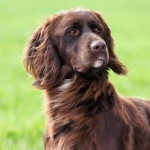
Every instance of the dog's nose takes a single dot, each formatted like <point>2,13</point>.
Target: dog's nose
<point>98,46</point>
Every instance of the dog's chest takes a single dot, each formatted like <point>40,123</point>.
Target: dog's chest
<point>94,134</point>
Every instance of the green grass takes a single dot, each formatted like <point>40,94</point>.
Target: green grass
<point>21,119</point>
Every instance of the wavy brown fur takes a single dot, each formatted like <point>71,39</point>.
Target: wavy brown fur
<point>83,110</point>
<point>75,111</point>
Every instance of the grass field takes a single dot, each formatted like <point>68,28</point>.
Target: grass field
<point>21,117</point>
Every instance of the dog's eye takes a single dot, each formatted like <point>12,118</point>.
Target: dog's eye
<point>74,32</point>
<point>97,30</point>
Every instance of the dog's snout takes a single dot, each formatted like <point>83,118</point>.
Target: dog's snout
<point>98,46</point>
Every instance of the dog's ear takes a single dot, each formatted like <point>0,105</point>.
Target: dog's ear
<point>41,59</point>
<point>114,62</point>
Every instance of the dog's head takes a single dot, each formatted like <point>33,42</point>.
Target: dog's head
<point>75,40</point>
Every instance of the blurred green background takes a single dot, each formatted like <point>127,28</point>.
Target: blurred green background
<point>21,119</point>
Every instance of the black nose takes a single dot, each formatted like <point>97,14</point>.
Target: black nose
<point>98,46</point>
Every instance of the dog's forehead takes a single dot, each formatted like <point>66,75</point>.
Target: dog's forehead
<point>78,15</point>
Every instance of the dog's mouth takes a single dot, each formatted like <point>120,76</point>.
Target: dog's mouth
<point>99,62</point>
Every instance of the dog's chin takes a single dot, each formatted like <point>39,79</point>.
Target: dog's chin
<point>101,62</point>
<point>94,66</point>
<point>98,63</point>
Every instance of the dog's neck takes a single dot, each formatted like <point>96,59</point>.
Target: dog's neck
<point>82,90</point>
<point>95,83</point>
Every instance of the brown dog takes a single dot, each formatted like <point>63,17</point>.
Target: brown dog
<point>70,56</point>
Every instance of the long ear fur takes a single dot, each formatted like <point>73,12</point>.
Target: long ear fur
<point>41,59</point>
<point>113,63</point>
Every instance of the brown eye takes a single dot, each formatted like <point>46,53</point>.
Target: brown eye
<point>73,32</point>
<point>97,30</point>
